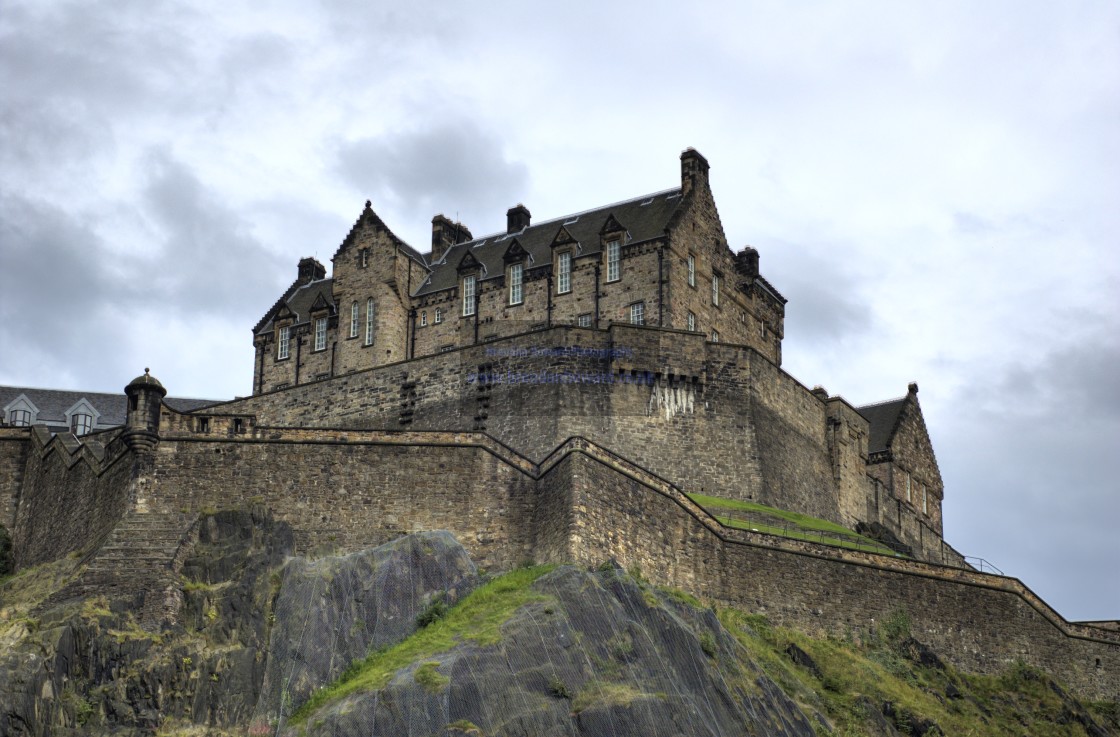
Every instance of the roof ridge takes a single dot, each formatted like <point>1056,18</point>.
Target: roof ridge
<point>882,402</point>
<point>581,213</point>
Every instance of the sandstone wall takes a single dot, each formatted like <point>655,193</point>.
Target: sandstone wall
<point>979,622</point>
<point>14,444</point>
<point>712,418</point>
<point>72,497</point>
<point>349,491</point>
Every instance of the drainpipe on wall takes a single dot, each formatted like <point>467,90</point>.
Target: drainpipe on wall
<point>548,319</point>
<point>595,320</point>
<point>334,349</point>
<point>410,352</point>
<point>660,283</point>
<point>299,343</point>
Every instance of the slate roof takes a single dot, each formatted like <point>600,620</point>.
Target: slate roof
<point>883,417</point>
<point>299,302</point>
<point>644,218</point>
<point>53,404</point>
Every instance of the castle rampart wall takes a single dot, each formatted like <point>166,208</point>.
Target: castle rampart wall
<point>74,492</point>
<point>978,622</point>
<point>14,444</point>
<point>345,491</point>
<point>714,418</point>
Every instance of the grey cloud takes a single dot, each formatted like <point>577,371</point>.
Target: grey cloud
<point>1028,453</point>
<point>445,168</point>
<point>210,261</point>
<point>826,301</point>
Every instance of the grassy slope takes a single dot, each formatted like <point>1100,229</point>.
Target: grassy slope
<point>478,618</point>
<point>785,524</point>
<point>853,677</point>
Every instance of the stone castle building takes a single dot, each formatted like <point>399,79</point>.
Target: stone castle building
<point>566,391</point>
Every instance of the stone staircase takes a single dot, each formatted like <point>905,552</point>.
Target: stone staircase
<point>139,560</point>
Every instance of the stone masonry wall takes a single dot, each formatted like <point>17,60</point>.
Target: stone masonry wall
<point>713,418</point>
<point>346,492</point>
<point>14,444</point>
<point>70,499</point>
<point>979,622</point>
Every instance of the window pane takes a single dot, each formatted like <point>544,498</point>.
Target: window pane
<point>515,284</point>
<point>564,281</point>
<point>354,320</point>
<point>613,268</point>
<point>468,296</point>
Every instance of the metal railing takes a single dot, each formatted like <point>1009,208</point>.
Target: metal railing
<point>982,565</point>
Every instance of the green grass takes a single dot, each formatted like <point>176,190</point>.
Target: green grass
<point>477,618</point>
<point>800,527</point>
<point>1016,702</point>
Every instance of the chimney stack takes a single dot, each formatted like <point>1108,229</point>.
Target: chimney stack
<point>694,169</point>
<point>746,262</point>
<point>446,234</point>
<point>517,218</point>
<point>311,270</point>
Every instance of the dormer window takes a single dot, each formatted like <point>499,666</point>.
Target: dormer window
<point>564,272</point>
<point>469,287</point>
<point>80,424</point>
<point>515,274</point>
<point>283,343</point>
<point>19,417</point>
<point>614,267</point>
<point>321,334</point>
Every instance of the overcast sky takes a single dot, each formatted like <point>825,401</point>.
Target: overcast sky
<point>933,185</point>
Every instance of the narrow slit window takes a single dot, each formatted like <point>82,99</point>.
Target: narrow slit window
<point>321,334</point>
<point>468,297</point>
<point>515,275</point>
<point>614,267</point>
<point>369,322</point>
<point>564,273</point>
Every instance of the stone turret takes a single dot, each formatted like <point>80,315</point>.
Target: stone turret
<point>145,396</point>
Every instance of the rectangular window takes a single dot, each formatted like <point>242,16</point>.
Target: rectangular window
<point>354,320</point>
<point>81,424</point>
<point>19,417</point>
<point>691,322</point>
<point>439,315</point>
<point>365,257</point>
<point>715,336</point>
<point>925,501</point>
<point>369,322</point>
<point>715,289</point>
<point>468,297</point>
<point>638,313</point>
<point>204,422</point>
<point>321,334</point>
<point>515,272</point>
<point>564,273</point>
<point>584,320</point>
<point>283,342</point>
<point>909,496</point>
<point>423,318</point>
<point>691,270</point>
<point>614,271</point>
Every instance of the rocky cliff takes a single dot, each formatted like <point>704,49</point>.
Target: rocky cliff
<point>411,639</point>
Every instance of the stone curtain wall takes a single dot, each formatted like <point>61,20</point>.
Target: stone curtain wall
<point>979,622</point>
<point>354,492</point>
<point>14,443</point>
<point>713,418</point>
<point>71,498</point>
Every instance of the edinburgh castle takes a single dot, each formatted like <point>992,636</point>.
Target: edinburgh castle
<point>568,390</point>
